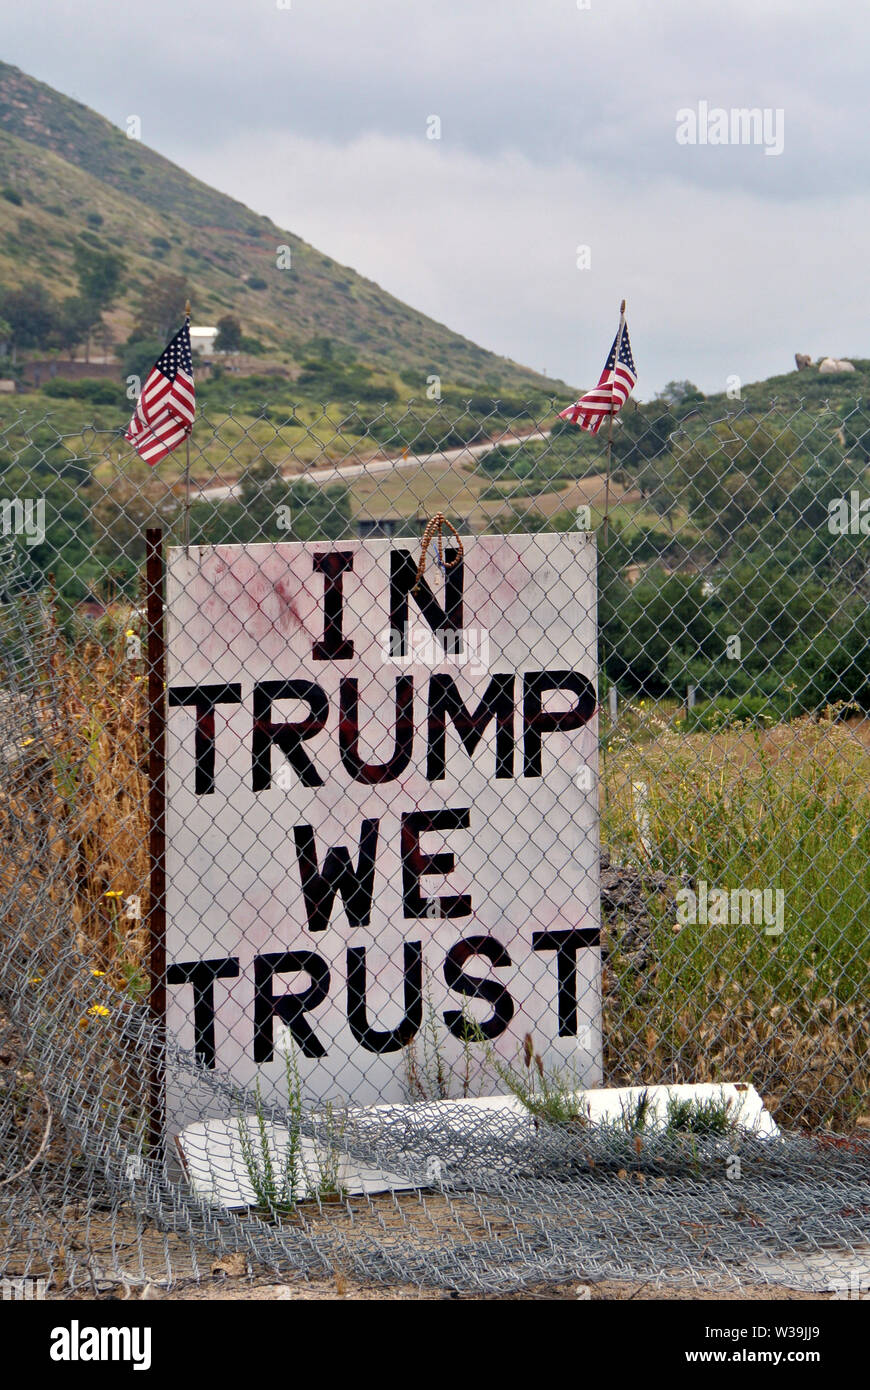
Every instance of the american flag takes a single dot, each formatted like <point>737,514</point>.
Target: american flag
<point>167,402</point>
<point>613,389</point>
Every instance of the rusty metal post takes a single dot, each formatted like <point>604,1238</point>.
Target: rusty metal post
<point>154,602</point>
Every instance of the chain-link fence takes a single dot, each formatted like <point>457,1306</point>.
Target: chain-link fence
<point>320,961</point>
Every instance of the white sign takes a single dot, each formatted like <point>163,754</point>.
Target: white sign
<point>381,808</point>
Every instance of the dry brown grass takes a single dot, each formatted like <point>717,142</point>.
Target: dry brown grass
<point>84,784</point>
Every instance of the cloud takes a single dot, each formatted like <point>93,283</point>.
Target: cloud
<point>558,128</point>
<point>543,78</point>
<point>717,283</point>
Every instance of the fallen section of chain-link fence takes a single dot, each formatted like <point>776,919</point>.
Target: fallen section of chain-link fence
<point>710,1128</point>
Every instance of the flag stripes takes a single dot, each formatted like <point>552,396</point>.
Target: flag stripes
<point>166,407</point>
<point>613,390</point>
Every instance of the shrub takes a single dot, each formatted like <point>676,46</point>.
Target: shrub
<point>94,389</point>
<point>724,712</point>
<point>140,354</point>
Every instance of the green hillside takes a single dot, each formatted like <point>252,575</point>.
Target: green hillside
<point>69,178</point>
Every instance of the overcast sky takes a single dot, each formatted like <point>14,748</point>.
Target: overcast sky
<point>558,130</point>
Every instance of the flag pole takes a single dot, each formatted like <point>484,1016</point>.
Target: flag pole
<point>610,425</point>
<point>187,468</point>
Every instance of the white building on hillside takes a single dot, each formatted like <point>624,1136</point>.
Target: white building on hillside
<point>202,340</point>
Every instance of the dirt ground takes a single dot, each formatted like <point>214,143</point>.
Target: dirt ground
<point>227,1288</point>
<point>130,1259</point>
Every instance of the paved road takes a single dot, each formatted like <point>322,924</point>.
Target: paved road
<point>382,464</point>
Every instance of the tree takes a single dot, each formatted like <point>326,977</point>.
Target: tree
<point>31,313</point>
<point>161,308</point>
<point>139,356</point>
<point>644,434</point>
<point>229,337</point>
<point>75,321</point>
<point>104,337</point>
<point>122,514</point>
<point>679,393</point>
<point>738,481</point>
<point>99,274</point>
<point>656,629</point>
<point>37,320</point>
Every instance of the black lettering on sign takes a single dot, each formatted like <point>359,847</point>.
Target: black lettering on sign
<point>445,703</point>
<point>403,582</point>
<point>474,988</point>
<point>356,886</point>
<point>288,736</point>
<point>566,944</point>
<point>289,1008</point>
<point>390,1039</point>
<point>537,722</point>
<point>204,698</point>
<point>335,646</point>
<point>415,862</point>
<point>348,733</point>
<point>202,975</point>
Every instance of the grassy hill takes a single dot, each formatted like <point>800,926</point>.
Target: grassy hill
<point>66,172</point>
